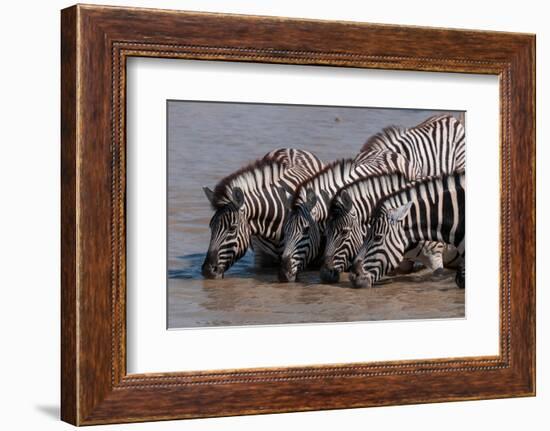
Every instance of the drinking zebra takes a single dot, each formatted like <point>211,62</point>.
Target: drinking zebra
<point>434,147</point>
<point>250,206</point>
<point>430,210</point>
<point>305,224</point>
<point>348,223</point>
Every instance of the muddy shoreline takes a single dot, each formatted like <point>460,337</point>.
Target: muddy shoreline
<point>259,299</point>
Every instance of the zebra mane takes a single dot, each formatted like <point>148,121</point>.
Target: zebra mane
<point>377,141</point>
<point>300,192</point>
<point>249,177</point>
<point>358,182</point>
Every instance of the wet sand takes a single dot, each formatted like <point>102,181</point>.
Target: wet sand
<point>260,300</point>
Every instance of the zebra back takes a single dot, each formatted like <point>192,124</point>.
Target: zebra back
<point>291,157</point>
<point>435,146</point>
<point>286,166</point>
<point>385,161</point>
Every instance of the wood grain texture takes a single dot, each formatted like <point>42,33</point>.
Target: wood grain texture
<point>96,41</point>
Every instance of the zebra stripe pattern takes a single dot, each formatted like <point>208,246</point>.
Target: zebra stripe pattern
<point>430,210</point>
<point>348,220</point>
<point>436,146</point>
<point>348,223</point>
<point>250,206</point>
<point>305,225</point>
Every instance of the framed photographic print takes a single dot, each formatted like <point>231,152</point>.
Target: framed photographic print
<point>265,214</point>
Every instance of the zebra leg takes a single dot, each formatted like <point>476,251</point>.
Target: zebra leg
<point>429,253</point>
<point>433,254</point>
<point>451,257</point>
<point>435,263</point>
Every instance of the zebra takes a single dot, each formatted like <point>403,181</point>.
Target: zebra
<point>250,206</point>
<point>348,223</point>
<point>434,147</point>
<point>291,157</point>
<point>430,210</point>
<point>305,224</point>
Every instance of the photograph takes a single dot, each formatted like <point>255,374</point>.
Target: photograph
<point>262,210</point>
<point>293,214</point>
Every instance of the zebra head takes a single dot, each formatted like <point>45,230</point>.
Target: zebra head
<point>302,238</point>
<point>230,235</point>
<point>383,248</point>
<point>344,237</point>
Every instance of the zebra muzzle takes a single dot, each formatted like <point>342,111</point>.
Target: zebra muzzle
<point>359,278</point>
<point>211,272</point>
<point>329,274</point>
<point>287,273</point>
<point>210,268</point>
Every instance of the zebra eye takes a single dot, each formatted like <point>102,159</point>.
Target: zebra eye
<point>346,230</point>
<point>305,230</point>
<point>378,237</point>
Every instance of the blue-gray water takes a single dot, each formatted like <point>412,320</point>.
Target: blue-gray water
<point>209,140</point>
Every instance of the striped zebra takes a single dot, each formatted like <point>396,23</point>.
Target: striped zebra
<point>349,220</point>
<point>436,146</point>
<point>250,207</point>
<point>305,225</point>
<point>430,210</point>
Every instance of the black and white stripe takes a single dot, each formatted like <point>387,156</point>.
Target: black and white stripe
<point>305,225</point>
<point>349,217</point>
<point>430,210</point>
<point>250,206</point>
<point>436,146</point>
<point>349,220</point>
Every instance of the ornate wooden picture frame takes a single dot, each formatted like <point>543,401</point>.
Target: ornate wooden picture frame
<point>96,42</point>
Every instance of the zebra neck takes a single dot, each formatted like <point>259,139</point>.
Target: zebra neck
<point>329,183</point>
<point>265,216</point>
<point>366,196</point>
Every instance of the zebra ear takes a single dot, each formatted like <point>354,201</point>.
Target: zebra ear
<point>209,195</point>
<point>311,199</point>
<point>346,201</point>
<point>399,213</point>
<point>238,197</point>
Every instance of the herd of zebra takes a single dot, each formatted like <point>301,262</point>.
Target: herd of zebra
<point>400,200</point>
